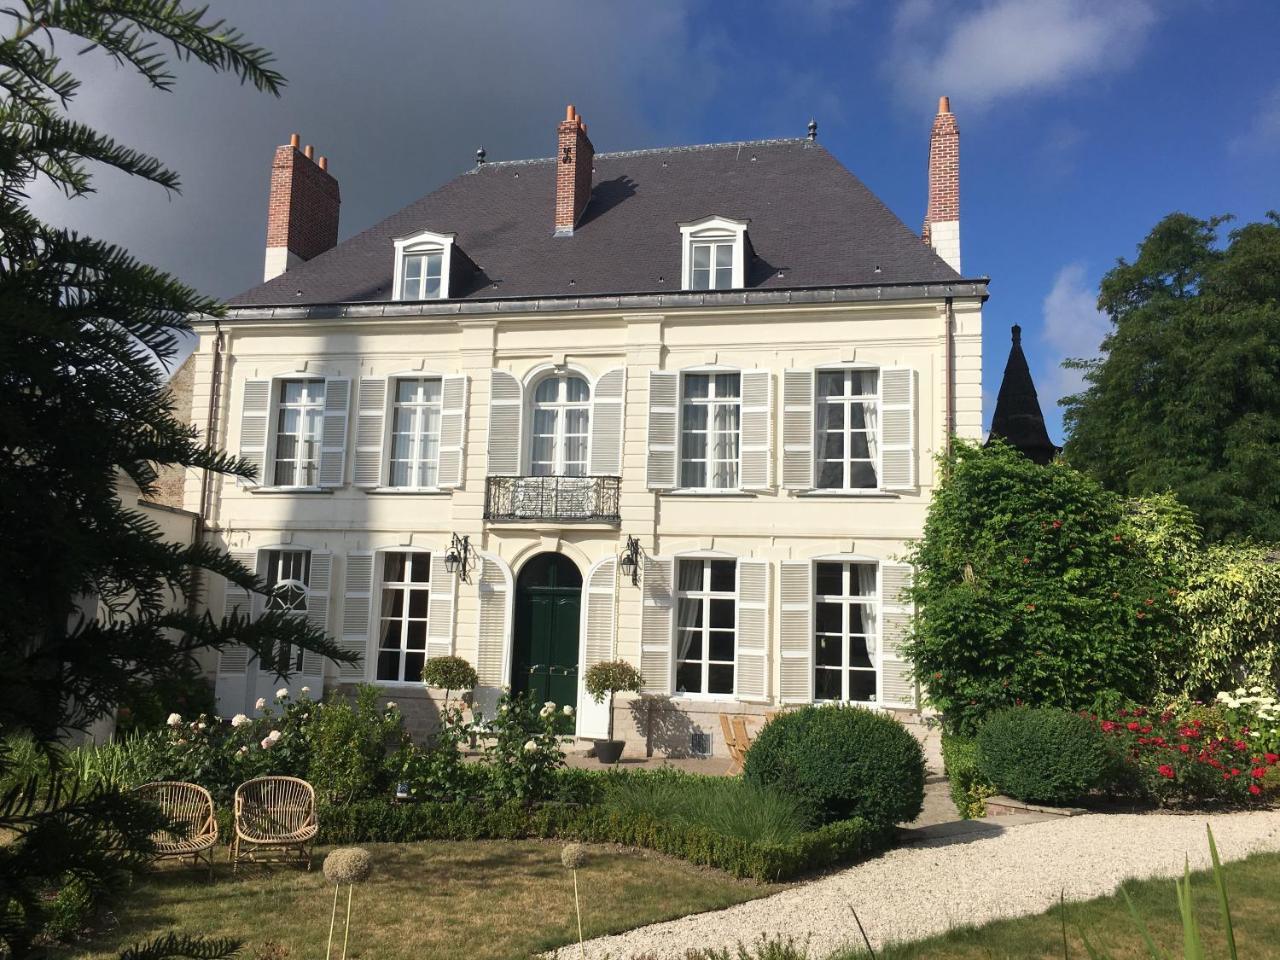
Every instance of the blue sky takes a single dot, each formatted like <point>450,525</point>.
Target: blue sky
<point>1082,121</point>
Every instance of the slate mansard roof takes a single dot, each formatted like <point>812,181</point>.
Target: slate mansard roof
<point>811,224</point>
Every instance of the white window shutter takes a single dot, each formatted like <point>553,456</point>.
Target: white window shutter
<point>657,603</point>
<point>796,642</point>
<point>318,580</point>
<point>599,620</point>
<point>753,630</point>
<point>357,610</point>
<point>371,411</point>
<point>663,463</point>
<point>440,604</point>
<point>491,639</point>
<point>506,400</point>
<point>237,600</point>
<point>333,440</point>
<point>757,430</point>
<point>797,429</point>
<point>898,428</point>
<point>897,684</point>
<point>255,414</point>
<point>606,423</point>
<point>453,430</point>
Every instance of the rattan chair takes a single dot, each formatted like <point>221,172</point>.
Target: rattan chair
<point>274,813</point>
<point>189,807</point>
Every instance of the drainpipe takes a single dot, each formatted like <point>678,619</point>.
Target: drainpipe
<point>211,438</point>
<point>948,388</point>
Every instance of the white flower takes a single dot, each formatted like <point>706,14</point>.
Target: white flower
<point>503,708</point>
<point>274,735</point>
<point>568,710</point>
<point>181,742</point>
<point>547,710</point>
<point>282,693</point>
<point>392,705</point>
<point>267,743</point>
<point>551,704</point>
<point>1255,689</point>
<point>174,720</point>
<point>240,720</point>
<point>201,726</point>
<point>243,750</point>
<point>530,746</point>
<point>306,690</point>
<point>261,704</point>
<point>1223,696</point>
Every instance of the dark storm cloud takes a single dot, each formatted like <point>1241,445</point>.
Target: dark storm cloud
<point>398,95</point>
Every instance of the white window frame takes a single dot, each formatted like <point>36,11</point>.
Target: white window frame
<point>380,584</point>
<point>561,405</point>
<point>874,600</point>
<point>704,595</point>
<point>277,409</point>
<point>845,489</point>
<point>389,433</point>
<point>710,402</point>
<point>265,557</point>
<point>714,230</point>
<point>420,244</point>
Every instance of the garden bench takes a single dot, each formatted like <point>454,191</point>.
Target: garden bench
<point>274,813</point>
<point>189,808</point>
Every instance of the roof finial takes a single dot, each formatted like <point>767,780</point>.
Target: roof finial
<point>480,155</point>
<point>813,130</point>
<point>1017,333</point>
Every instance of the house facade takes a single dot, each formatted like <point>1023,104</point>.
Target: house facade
<point>678,406</point>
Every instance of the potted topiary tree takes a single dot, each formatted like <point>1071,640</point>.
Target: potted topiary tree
<point>449,674</point>
<point>604,679</point>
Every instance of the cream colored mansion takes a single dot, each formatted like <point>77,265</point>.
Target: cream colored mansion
<point>679,406</point>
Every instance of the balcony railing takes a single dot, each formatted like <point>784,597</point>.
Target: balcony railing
<point>566,499</point>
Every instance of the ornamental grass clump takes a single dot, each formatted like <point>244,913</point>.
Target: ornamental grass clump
<point>349,865</point>
<point>574,856</point>
<point>1042,755</point>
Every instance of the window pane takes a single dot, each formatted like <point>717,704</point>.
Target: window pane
<point>413,666</point>
<point>724,279</point>
<point>696,385</point>
<point>858,416</point>
<point>859,652</point>
<point>412,268</point>
<point>830,384</point>
<point>693,475</point>
<point>826,684</point>
<point>690,645</point>
<point>693,416</point>
<point>575,421</point>
<point>291,391</point>
<point>721,646</point>
<point>720,678</point>
<point>858,449</point>
<point>406,391</point>
<point>701,279</point>
<point>862,685</point>
<point>856,620</point>
<point>723,575</point>
<point>865,382</point>
<point>828,618</point>
<point>862,475</point>
<point>827,651</point>
<point>688,678</point>
<point>421,572</point>
<point>701,256</point>
<point>393,568</point>
<point>727,384</point>
<point>548,390</point>
<point>724,255</point>
<point>722,614</point>
<point>431,391</point>
<point>415,635</point>
<point>389,665</point>
<point>690,575</point>
<point>833,446</point>
<point>285,470</point>
<point>400,476</point>
<point>829,579</point>
<point>418,603</point>
<point>432,289</point>
<point>434,264</point>
<point>830,476</point>
<point>835,415</point>
<point>396,607</point>
<point>577,390</point>
<point>390,635</point>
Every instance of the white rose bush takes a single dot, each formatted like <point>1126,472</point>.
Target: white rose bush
<point>523,748</point>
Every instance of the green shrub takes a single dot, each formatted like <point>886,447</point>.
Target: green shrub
<point>70,911</point>
<point>522,749</point>
<point>351,746</point>
<point>728,806</point>
<point>1032,587</point>
<point>1042,755</point>
<point>449,674</point>
<point>969,789</point>
<point>842,762</point>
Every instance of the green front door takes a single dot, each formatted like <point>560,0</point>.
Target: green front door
<point>545,660</point>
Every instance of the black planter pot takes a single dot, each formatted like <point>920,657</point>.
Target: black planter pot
<point>608,751</point>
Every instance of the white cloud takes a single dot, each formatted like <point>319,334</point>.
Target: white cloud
<point>1263,135</point>
<point>1007,48</point>
<point>1073,326</point>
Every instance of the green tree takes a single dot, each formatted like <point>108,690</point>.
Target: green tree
<point>82,402</point>
<point>1031,589</point>
<point>1186,395</point>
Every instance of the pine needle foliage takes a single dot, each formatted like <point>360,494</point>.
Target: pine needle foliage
<point>92,595</point>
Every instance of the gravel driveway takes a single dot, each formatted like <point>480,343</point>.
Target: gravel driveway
<point>914,892</point>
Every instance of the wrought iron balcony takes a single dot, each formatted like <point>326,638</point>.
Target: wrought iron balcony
<point>565,499</point>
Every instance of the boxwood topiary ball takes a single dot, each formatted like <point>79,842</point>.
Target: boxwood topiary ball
<point>843,762</point>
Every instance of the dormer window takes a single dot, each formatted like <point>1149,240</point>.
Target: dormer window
<point>422,266</point>
<point>714,254</point>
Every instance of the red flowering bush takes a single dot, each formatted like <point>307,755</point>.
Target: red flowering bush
<point>1189,758</point>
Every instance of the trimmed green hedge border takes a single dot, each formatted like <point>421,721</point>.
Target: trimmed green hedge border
<point>377,821</point>
<point>969,789</point>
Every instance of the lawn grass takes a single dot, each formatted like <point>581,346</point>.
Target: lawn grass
<point>485,900</point>
<point>1253,885</point>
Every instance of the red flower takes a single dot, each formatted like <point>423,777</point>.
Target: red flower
<point>1240,745</point>
<point>1133,724</point>
<point>1273,758</point>
<point>1255,789</point>
<point>1139,711</point>
<point>938,675</point>
<point>1158,741</point>
<point>1184,748</point>
<point>1057,524</point>
<point>1146,728</point>
<point>1259,772</point>
<point>1108,726</point>
<point>1031,606</point>
<point>1124,713</point>
<point>1026,560</point>
<point>1165,771</point>
<point>1141,615</point>
<point>1116,538</point>
<point>1235,771</point>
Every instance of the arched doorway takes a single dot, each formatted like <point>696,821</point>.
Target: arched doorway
<point>544,660</point>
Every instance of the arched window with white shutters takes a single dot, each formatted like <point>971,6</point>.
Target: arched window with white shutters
<point>559,426</point>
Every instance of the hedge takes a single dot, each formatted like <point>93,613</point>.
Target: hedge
<point>969,789</point>
<point>376,821</point>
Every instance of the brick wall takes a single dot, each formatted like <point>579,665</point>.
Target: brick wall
<point>172,479</point>
<point>944,170</point>
<point>302,209</point>
<point>574,155</point>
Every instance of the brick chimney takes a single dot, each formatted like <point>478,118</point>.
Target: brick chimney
<point>574,154</point>
<point>942,218</point>
<point>302,212</point>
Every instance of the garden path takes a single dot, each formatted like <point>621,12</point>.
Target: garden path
<point>996,870</point>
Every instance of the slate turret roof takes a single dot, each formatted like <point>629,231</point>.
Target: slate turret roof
<point>1018,419</point>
